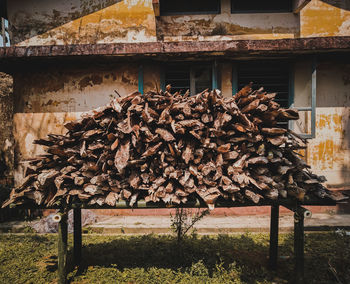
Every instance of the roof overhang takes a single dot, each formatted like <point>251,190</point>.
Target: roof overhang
<point>301,45</point>
<point>169,50</point>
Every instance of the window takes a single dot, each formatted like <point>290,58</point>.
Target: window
<point>178,7</point>
<point>273,76</point>
<point>195,77</point>
<point>3,9</point>
<point>259,6</point>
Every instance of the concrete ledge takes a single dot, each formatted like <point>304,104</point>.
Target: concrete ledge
<point>152,49</point>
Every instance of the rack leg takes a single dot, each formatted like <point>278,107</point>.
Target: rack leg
<point>299,246</point>
<point>62,248</point>
<point>274,237</point>
<point>77,235</point>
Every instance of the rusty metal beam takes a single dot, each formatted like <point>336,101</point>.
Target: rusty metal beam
<point>154,49</point>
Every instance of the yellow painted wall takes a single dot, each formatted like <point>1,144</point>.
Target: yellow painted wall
<point>81,22</point>
<point>325,18</point>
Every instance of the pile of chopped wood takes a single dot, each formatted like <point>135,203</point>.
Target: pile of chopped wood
<point>173,148</point>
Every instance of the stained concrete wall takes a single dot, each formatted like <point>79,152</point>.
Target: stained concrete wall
<point>81,21</point>
<point>48,98</point>
<point>225,26</point>
<point>329,152</point>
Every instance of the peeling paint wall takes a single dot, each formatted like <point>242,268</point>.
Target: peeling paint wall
<point>82,22</point>
<point>46,99</point>
<point>322,18</point>
<point>329,152</point>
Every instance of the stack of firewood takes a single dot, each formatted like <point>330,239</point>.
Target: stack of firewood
<point>173,148</point>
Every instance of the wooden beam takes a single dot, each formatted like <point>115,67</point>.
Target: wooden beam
<point>156,7</point>
<point>298,5</point>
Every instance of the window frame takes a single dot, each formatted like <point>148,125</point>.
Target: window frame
<point>311,108</point>
<point>289,65</point>
<point>193,65</point>
<point>218,11</point>
<point>236,11</point>
<point>291,94</point>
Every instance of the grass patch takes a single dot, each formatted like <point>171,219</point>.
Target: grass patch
<point>159,259</point>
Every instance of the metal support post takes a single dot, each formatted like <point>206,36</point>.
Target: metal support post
<point>299,246</point>
<point>274,237</point>
<point>62,247</point>
<point>77,236</point>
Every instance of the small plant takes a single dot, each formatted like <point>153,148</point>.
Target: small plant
<point>184,220</point>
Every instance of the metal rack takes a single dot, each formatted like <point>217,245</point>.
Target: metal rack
<point>300,213</point>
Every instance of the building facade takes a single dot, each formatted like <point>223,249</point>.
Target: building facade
<point>67,57</point>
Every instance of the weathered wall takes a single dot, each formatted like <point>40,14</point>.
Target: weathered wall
<point>46,99</point>
<point>151,79</point>
<point>226,79</point>
<point>226,26</point>
<point>329,152</point>
<point>82,21</point>
<point>325,18</point>
<point>6,123</point>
